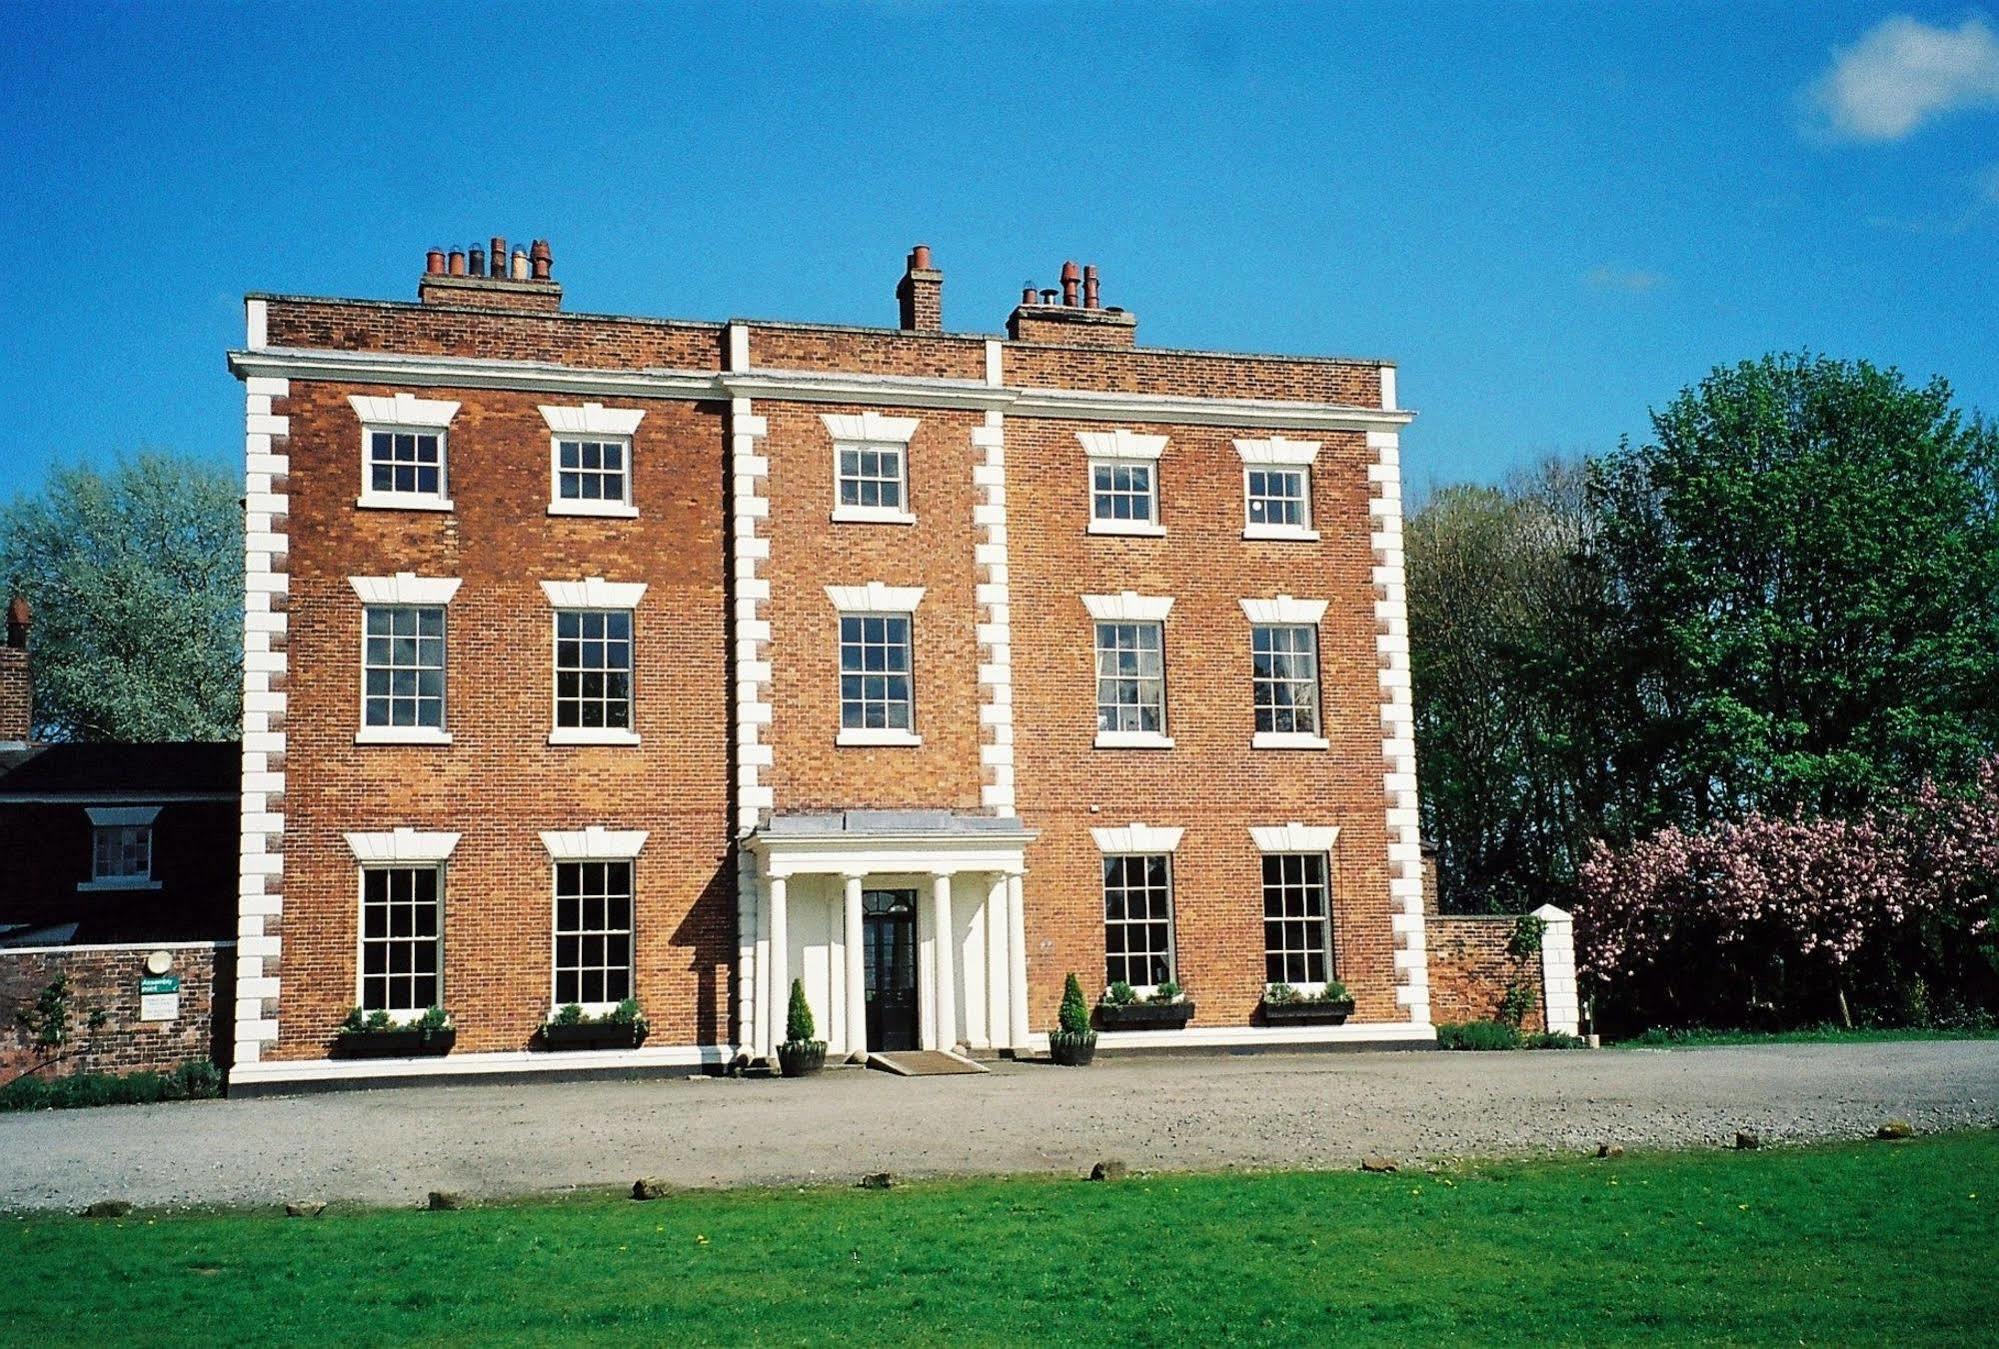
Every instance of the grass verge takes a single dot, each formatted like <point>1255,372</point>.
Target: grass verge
<point>1856,1243</point>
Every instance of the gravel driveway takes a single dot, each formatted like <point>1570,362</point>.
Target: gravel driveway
<point>1270,1110</point>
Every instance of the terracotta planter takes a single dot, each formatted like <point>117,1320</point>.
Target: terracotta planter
<point>1144,1015</point>
<point>593,1035</point>
<point>1307,1013</point>
<point>801,1058</point>
<point>1072,1049</point>
<point>405,1043</point>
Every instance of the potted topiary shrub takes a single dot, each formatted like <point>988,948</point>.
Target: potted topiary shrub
<point>1072,1043</point>
<point>1284,1005</point>
<point>623,1027</point>
<point>800,1055</point>
<point>377,1035</point>
<point>1122,1009</point>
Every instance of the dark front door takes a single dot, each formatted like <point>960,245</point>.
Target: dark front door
<point>888,953</point>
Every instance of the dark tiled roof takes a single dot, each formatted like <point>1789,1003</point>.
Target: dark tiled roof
<point>101,770</point>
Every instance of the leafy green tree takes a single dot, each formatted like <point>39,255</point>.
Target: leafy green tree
<point>135,576</point>
<point>1803,587</point>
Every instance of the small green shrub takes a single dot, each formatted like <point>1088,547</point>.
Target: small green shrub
<point>192,1081</point>
<point>1282,994</point>
<point>569,1014</point>
<point>798,1024</point>
<point>1169,991</point>
<point>1551,1039</point>
<point>1515,1003</point>
<point>1334,991</point>
<point>379,1020</point>
<point>626,1013</point>
<point>434,1018</point>
<point>355,1022</point>
<point>1120,994</point>
<point>1478,1035</point>
<point>1074,1015</point>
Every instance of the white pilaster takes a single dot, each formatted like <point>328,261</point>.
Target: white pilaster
<point>779,959</point>
<point>1563,1002</point>
<point>996,963</point>
<point>946,965</point>
<point>857,1006</point>
<point>1016,957</point>
<point>1398,741</point>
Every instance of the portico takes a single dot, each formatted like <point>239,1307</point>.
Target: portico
<point>907,929</point>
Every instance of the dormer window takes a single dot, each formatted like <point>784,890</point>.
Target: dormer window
<point>121,848</point>
<point>404,455</point>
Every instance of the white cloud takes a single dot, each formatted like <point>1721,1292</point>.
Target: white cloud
<point>1904,73</point>
<point>1612,278</point>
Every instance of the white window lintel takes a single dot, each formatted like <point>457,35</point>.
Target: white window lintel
<point>592,419</point>
<point>1121,443</point>
<point>875,598</point>
<point>594,592</point>
<point>1138,838</point>
<point>1295,837</point>
<point>402,845</point>
<point>1128,607</point>
<point>1278,451</point>
<point>593,843</point>
<point>122,817</point>
<point>403,409</point>
<point>405,588</point>
<point>1284,609</point>
<point>869,428</point>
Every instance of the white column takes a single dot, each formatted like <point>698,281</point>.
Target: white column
<point>946,963</point>
<point>857,1005</point>
<point>758,1034</point>
<point>1016,955</point>
<point>1558,970</point>
<point>778,985</point>
<point>996,966</point>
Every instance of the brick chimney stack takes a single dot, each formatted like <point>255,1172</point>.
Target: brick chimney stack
<point>488,278</point>
<point>921,293</point>
<point>17,702</point>
<point>1079,320</point>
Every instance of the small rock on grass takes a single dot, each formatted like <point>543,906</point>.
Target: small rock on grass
<point>1895,1130</point>
<point>1746,1141</point>
<point>442,1201</point>
<point>877,1180</point>
<point>647,1187</point>
<point>304,1210</point>
<point>1609,1150</point>
<point>108,1208</point>
<point>1375,1162</point>
<point>1108,1169</point>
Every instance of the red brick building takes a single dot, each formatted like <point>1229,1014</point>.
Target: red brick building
<point>596,657</point>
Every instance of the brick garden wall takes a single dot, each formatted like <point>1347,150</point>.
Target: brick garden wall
<point>1470,969</point>
<point>108,977</point>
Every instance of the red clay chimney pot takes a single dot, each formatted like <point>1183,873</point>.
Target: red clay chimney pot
<point>1072,276</point>
<point>433,262</point>
<point>457,262</point>
<point>1090,286</point>
<point>920,259</point>
<point>541,260</point>
<point>475,258</point>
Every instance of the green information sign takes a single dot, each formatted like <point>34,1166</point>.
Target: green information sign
<point>159,983</point>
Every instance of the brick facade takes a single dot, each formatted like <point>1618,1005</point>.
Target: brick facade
<point>1471,969</point>
<point>107,978</point>
<point>737,653</point>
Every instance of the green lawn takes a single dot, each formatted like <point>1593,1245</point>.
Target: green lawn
<point>1858,1243</point>
<point>1804,1035</point>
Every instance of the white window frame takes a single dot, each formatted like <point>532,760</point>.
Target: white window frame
<point>593,592</point>
<point>555,865</point>
<point>876,600</point>
<point>592,843</point>
<point>1294,838</point>
<point>1288,612</point>
<point>1143,840</point>
<point>121,820</point>
<point>398,414</point>
<point>1123,448</point>
<point>1128,607</point>
<point>1280,455</point>
<point>1329,946</point>
<point>404,590</point>
<point>592,422</point>
<point>871,432</point>
<point>399,1016</point>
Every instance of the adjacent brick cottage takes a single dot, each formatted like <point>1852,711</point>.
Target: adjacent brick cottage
<point>591,657</point>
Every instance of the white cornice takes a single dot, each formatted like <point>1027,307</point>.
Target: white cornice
<point>403,409</point>
<point>1137,838</point>
<point>1284,609</point>
<point>1128,607</point>
<point>1295,837</point>
<point>402,845</point>
<point>593,844</point>
<point>1122,443</point>
<point>1278,450</point>
<point>592,419</point>
<point>875,597</point>
<point>870,427</point>
<point>594,592</point>
<point>896,391</point>
<point>405,588</point>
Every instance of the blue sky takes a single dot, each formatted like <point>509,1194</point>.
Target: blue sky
<point>1552,216</point>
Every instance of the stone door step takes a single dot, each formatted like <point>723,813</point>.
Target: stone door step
<point>922,1063</point>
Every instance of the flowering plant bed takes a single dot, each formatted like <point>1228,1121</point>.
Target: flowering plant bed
<point>623,1027</point>
<point>373,1035</point>
<point>1284,1005</point>
<point>1123,1009</point>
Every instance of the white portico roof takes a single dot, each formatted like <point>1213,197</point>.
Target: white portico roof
<point>889,841</point>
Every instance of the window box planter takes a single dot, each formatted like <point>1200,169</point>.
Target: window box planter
<point>404,1043</point>
<point>801,1058</point>
<point>1072,1049</point>
<point>1144,1015</point>
<point>593,1035</point>
<point>1307,1012</point>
